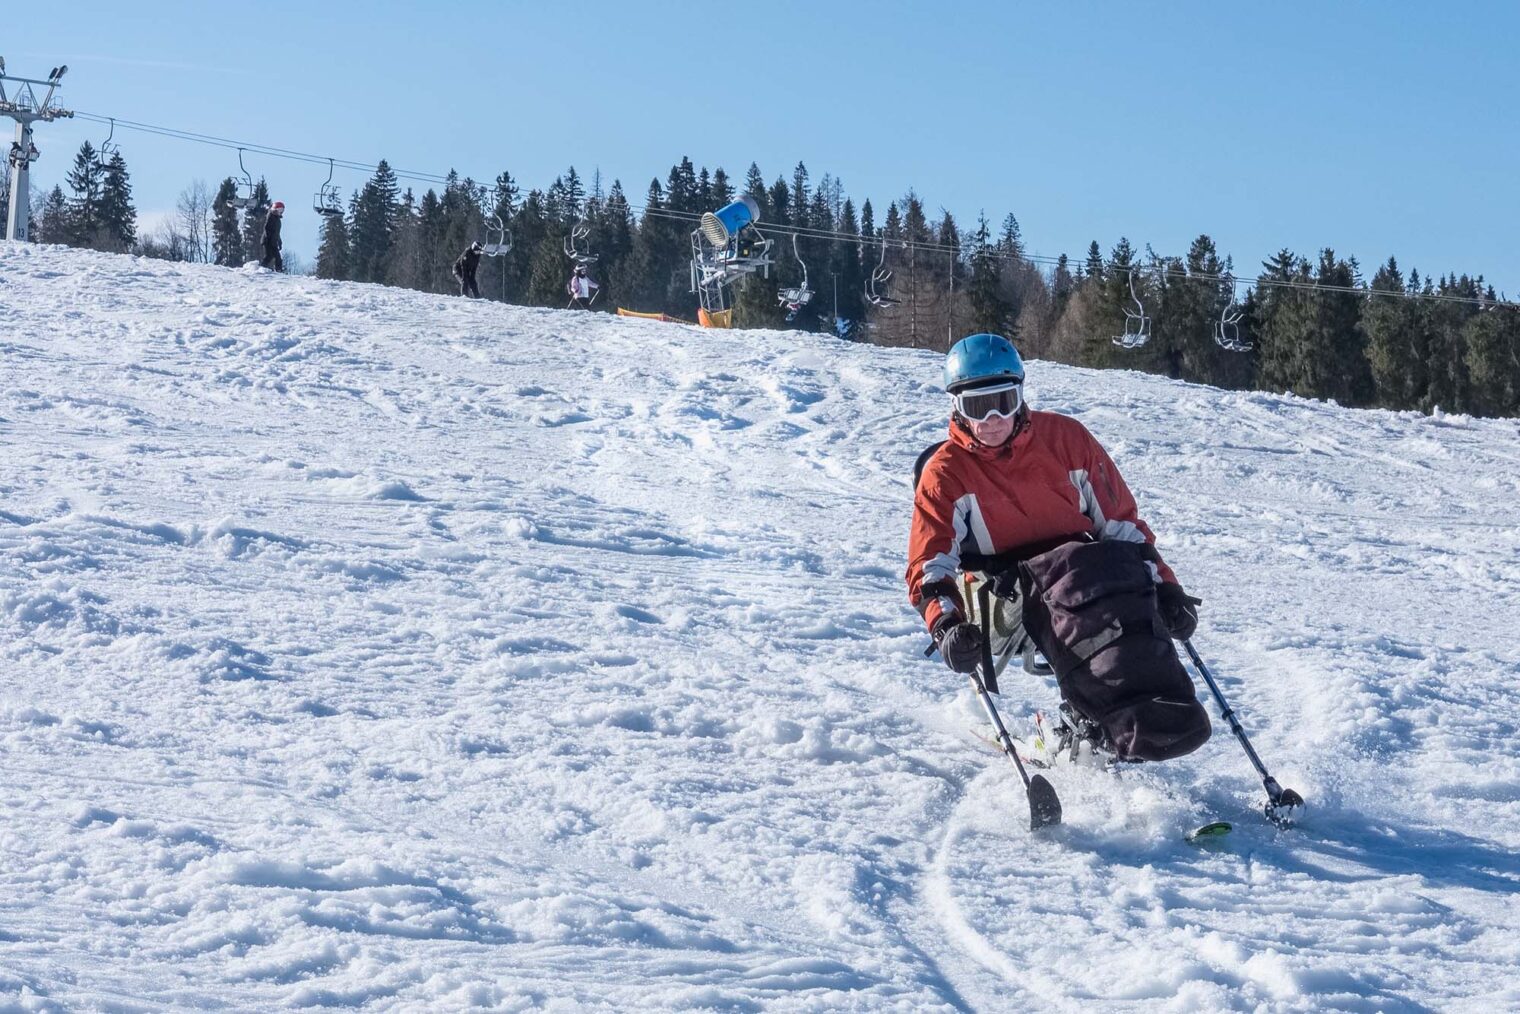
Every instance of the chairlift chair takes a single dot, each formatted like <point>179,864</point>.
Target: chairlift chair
<point>498,239</point>
<point>328,200</point>
<point>244,198</point>
<point>1227,327</point>
<point>877,285</point>
<point>108,147</point>
<point>796,297</point>
<point>1137,326</point>
<point>576,247</point>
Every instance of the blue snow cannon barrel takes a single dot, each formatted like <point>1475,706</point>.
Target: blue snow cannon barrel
<point>721,226</point>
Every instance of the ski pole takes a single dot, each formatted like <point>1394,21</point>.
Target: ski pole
<point>1044,805</point>
<point>1281,802</point>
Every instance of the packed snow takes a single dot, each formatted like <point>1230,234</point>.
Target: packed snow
<point>363,647</point>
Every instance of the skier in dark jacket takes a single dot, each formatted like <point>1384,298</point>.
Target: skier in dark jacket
<point>464,270</point>
<point>1036,493</point>
<point>272,243</point>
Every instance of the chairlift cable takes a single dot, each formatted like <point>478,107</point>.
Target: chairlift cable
<point>1155,270</point>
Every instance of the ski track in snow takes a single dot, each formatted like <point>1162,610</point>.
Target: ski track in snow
<point>369,648</point>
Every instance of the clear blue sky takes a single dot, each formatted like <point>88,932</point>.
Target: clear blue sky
<point>1374,128</point>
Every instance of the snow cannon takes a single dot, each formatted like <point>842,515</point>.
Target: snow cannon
<point>720,227</point>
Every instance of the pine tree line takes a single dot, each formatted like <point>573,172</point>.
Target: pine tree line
<point>1296,329</point>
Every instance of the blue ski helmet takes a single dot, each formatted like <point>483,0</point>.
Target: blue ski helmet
<point>982,358</point>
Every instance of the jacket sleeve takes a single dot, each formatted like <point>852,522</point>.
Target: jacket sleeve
<point>1111,506</point>
<point>934,551</point>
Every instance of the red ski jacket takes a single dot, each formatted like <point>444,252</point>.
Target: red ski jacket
<point>1052,480</point>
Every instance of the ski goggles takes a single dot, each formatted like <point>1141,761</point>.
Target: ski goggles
<point>981,403</point>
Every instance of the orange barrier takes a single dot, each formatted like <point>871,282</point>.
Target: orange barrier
<point>718,318</point>
<point>667,318</point>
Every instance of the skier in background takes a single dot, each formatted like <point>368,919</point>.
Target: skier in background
<point>1031,501</point>
<point>582,288</point>
<point>272,243</point>
<point>464,270</point>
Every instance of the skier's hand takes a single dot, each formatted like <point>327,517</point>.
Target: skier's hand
<point>1179,610</point>
<point>960,643</point>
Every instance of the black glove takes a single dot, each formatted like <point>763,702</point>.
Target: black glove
<point>1179,610</point>
<point>960,643</point>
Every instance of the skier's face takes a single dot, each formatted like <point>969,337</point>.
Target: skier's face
<point>993,431</point>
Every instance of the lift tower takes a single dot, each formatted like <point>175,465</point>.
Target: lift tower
<point>19,102</point>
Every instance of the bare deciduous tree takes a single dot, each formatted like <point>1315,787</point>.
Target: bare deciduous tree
<point>194,226</point>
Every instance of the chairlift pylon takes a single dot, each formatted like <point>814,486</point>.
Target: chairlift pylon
<point>328,201</point>
<point>796,297</point>
<point>1227,327</point>
<point>244,197</point>
<point>1137,326</point>
<point>725,247</point>
<point>877,284</point>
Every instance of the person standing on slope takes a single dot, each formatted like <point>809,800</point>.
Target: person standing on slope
<point>464,270</point>
<point>1031,502</point>
<point>272,243</point>
<point>582,288</point>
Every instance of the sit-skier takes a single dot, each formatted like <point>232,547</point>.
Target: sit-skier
<point>1031,503</point>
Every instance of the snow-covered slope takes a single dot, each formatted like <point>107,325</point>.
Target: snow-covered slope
<point>363,647</point>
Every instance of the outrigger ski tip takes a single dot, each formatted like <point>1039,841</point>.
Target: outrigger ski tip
<point>1044,806</point>
<point>1213,829</point>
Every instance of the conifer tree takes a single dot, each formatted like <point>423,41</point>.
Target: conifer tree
<point>757,302</point>
<point>53,224</point>
<point>722,189</point>
<point>1334,363</point>
<point>530,226</point>
<point>847,279</point>
<point>1093,267</point>
<point>1396,341</point>
<point>1446,323</point>
<point>412,257</point>
<point>253,220</point>
<point>1285,320</point>
<point>226,237</point>
<point>548,273</point>
<point>373,226</point>
<point>754,187</point>
<point>1011,242</point>
<point>86,180</point>
<point>118,218</point>
<point>615,226</point>
<point>574,194</point>
<point>1196,300</point>
<point>800,195</point>
<point>1110,281</point>
<point>1493,361</point>
<point>333,254</point>
<point>459,226</point>
<point>778,203</point>
<point>990,312</point>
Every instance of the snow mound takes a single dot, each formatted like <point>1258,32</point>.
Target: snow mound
<point>372,648</point>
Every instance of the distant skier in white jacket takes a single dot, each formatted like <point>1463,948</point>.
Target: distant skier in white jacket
<point>582,288</point>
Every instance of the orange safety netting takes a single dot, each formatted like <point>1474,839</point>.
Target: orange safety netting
<point>717,318</point>
<point>667,318</point>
